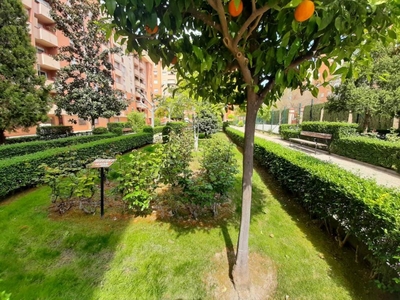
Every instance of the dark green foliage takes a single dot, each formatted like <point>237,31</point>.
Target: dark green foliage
<point>225,124</point>
<point>337,129</point>
<point>207,122</point>
<point>8,151</point>
<point>176,127</point>
<point>219,165</point>
<point>158,129</point>
<point>176,157</point>
<point>289,131</point>
<point>137,179</point>
<point>20,172</point>
<point>100,130</point>
<point>335,116</point>
<point>117,127</point>
<point>24,100</point>
<point>313,113</point>
<point>361,207</point>
<point>148,129</point>
<point>370,150</point>
<point>377,121</point>
<point>22,139</point>
<point>54,132</point>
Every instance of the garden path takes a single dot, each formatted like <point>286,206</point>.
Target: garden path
<point>381,175</point>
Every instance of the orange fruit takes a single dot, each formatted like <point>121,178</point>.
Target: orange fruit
<point>233,11</point>
<point>304,11</point>
<point>174,60</point>
<point>151,31</point>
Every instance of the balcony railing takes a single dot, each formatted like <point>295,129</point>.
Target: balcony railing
<point>47,62</point>
<point>46,37</point>
<point>118,72</point>
<point>140,104</point>
<point>43,12</point>
<point>119,86</point>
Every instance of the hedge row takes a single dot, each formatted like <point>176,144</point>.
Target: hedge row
<point>337,129</point>
<point>22,139</point>
<point>23,171</point>
<point>8,151</point>
<point>155,130</point>
<point>373,151</point>
<point>53,132</point>
<point>364,209</point>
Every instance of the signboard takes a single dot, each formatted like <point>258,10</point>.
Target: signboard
<point>102,163</point>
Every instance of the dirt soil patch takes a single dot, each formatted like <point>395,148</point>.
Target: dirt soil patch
<point>263,276</point>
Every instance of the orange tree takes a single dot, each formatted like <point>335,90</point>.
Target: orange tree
<point>253,57</point>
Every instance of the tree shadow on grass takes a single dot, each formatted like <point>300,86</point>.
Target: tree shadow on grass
<point>44,255</point>
<point>344,270</point>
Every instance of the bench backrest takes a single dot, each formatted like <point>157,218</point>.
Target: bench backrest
<point>320,135</point>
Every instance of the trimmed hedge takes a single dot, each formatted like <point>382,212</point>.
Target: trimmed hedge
<point>177,127</point>
<point>53,132</point>
<point>312,113</point>
<point>100,130</point>
<point>22,139</point>
<point>362,208</point>
<point>287,131</point>
<point>148,129</point>
<point>370,150</point>
<point>23,171</point>
<point>8,151</point>
<point>158,129</point>
<point>337,129</point>
<point>116,127</point>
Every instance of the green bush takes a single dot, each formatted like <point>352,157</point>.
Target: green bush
<point>22,171</point>
<point>9,151</point>
<point>240,123</point>
<point>53,132</point>
<point>225,124</point>
<point>22,139</point>
<point>158,129</point>
<point>177,127</point>
<point>100,130</point>
<point>361,207</point>
<point>337,129</point>
<point>370,150</point>
<point>116,127</point>
<point>148,129</point>
<point>312,113</point>
<point>335,116</point>
<point>286,134</point>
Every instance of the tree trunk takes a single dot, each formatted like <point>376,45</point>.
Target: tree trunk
<point>2,136</point>
<point>366,122</point>
<point>241,275</point>
<point>93,123</point>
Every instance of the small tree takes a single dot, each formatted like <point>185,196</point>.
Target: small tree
<point>136,120</point>
<point>84,86</point>
<point>24,100</point>
<point>207,122</point>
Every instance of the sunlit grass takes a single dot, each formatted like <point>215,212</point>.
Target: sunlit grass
<point>76,256</point>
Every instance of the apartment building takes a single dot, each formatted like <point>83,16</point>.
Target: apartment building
<point>132,74</point>
<point>163,79</point>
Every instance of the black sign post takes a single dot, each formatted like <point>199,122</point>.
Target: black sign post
<point>102,164</point>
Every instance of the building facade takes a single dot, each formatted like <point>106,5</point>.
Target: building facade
<point>133,75</point>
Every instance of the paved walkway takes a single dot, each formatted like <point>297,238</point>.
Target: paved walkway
<point>381,175</point>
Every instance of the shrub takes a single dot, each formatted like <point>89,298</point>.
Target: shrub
<point>219,165</point>
<point>176,157</point>
<point>22,139</point>
<point>100,130</point>
<point>225,124</point>
<point>53,132</point>
<point>176,127</point>
<point>137,179</point>
<point>286,134</point>
<point>337,129</point>
<point>116,127</point>
<point>20,172</point>
<point>148,129</point>
<point>158,129</point>
<point>207,122</point>
<point>361,207</point>
<point>240,123</point>
<point>9,151</point>
<point>370,150</point>
<point>136,120</point>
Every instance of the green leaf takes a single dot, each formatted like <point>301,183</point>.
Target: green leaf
<point>198,52</point>
<point>111,5</point>
<point>392,34</point>
<point>237,3</point>
<point>285,39</point>
<point>149,5</point>
<point>293,3</point>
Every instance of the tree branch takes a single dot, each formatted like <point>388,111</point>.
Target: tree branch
<point>205,18</point>
<point>253,6</point>
<point>227,38</point>
<point>253,16</point>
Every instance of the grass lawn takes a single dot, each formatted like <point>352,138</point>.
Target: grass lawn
<point>76,256</point>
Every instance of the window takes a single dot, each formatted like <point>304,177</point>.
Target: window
<point>155,81</point>
<point>42,73</point>
<point>39,50</point>
<point>155,90</point>
<point>81,121</point>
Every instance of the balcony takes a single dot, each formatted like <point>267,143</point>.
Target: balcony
<point>143,86</point>
<point>119,86</point>
<point>29,26</point>
<point>47,62</point>
<point>140,104</point>
<point>117,58</point>
<point>118,72</point>
<point>43,12</point>
<point>136,62</point>
<point>27,3</point>
<point>45,37</point>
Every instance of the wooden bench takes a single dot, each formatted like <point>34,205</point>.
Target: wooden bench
<point>124,130</point>
<point>326,137</point>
